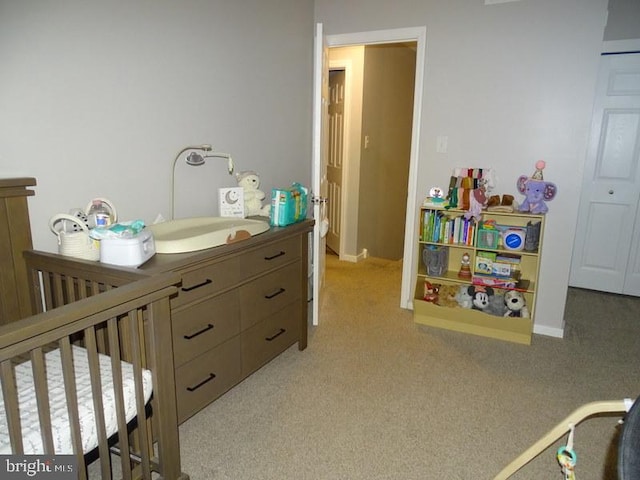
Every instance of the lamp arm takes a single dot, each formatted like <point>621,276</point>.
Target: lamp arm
<point>230,165</point>
<point>204,147</point>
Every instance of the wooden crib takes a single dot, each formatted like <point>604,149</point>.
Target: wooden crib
<point>115,344</point>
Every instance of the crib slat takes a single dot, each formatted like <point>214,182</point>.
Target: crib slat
<point>70,289</point>
<point>58,296</point>
<point>116,372</point>
<point>71,392</point>
<point>96,390</point>
<point>136,360</point>
<point>37,279</point>
<point>42,397</point>
<point>10,397</point>
<point>47,282</point>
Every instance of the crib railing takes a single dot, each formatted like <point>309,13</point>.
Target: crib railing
<point>56,280</point>
<point>132,323</point>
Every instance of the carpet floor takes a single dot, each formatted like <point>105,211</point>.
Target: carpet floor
<point>376,396</point>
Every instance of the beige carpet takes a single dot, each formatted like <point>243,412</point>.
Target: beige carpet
<point>375,396</point>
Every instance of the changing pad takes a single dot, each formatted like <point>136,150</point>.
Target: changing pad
<point>58,403</point>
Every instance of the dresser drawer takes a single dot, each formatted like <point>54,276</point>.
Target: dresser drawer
<point>270,337</point>
<point>204,325</point>
<point>206,377</point>
<point>207,280</point>
<point>268,294</point>
<point>270,256</point>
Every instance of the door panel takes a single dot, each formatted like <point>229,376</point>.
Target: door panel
<point>319,167</point>
<point>335,160</point>
<point>605,250</point>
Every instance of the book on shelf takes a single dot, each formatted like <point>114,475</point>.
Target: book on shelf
<point>442,226</point>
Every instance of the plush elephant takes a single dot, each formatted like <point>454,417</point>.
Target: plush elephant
<point>536,191</point>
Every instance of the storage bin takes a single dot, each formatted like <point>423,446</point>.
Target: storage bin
<point>488,237</point>
<point>435,259</point>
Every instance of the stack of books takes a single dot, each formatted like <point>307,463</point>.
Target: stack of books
<point>442,226</point>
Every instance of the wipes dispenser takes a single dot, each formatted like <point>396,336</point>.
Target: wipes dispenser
<point>127,244</point>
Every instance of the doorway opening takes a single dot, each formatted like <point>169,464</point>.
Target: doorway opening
<point>371,89</point>
<point>361,192</point>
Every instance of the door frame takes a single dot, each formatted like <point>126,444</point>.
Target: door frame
<point>410,34</point>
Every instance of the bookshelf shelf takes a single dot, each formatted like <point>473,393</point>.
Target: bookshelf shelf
<point>446,236</point>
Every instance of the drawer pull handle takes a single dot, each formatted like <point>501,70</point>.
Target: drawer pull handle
<point>208,379</point>
<point>206,282</point>
<point>275,294</point>
<point>199,332</point>
<point>272,257</point>
<point>273,337</point>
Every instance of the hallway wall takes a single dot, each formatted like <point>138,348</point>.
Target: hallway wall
<point>387,116</point>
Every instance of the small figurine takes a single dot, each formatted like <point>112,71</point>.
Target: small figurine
<point>436,195</point>
<point>465,269</point>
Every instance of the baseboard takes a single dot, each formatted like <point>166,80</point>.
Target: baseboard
<point>355,258</point>
<point>548,331</point>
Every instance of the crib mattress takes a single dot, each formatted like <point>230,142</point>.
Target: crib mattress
<point>58,403</point>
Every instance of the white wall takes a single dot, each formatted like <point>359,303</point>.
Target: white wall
<point>509,84</point>
<point>96,99</point>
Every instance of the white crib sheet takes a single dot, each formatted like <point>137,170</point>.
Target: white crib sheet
<point>58,403</point>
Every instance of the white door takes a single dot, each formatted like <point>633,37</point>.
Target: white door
<point>319,169</point>
<point>336,152</point>
<point>606,247</point>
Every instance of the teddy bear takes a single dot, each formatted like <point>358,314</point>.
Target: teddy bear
<point>447,296</point>
<point>516,306</point>
<point>253,196</point>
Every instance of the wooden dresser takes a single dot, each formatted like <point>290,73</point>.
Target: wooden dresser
<point>238,306</point>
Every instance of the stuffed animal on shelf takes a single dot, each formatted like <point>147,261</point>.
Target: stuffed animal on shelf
<point>516,305</point>
<point>253,196</point>
<point>463,297</point>
<point>480,297</point>
<point>430,291</point>
<point>536,191</point>
<point>447,296</point>
<point>496,305</point>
